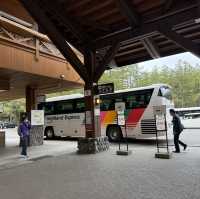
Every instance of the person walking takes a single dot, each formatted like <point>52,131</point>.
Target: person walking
<point>177,129</point>
<point>23,131</point>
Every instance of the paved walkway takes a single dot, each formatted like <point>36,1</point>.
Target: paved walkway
<point>105,176</point>
<point>10,158</point>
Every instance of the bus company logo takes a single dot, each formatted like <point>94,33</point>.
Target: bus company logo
<point>72,117</point>
<point>64,117</point>
<point>55,118</point>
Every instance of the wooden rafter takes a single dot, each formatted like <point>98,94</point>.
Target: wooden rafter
<point>10,35</point>
<point>147,29</point>
<point>180,40</point>
<point>56,37</point>
<point>70,24</point>
<point>127,9</point>
<point>106,60</point>
<point>167,5</point>
<point>151,47</point>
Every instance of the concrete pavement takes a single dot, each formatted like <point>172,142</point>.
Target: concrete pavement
<point>105,175</point>
<point>54,170</point>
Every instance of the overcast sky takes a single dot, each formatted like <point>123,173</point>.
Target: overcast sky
<point>171,61</point>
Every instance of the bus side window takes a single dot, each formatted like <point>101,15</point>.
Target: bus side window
<point>107,104</point>
<point>160,93</point>
<point>148,97</point>
<point>141,100</point>
<point>131,102</point>
<point>64,107</point>
<point>41,106</point>
<point>49,108</point>
<point>80,106</point>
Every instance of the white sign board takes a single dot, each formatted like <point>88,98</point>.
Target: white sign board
<point>97,111</point>
<point>160,122</point>
<point>88,117</point>
<point>121,120</point>
<point>37,117</point>
<point>87,93</point>
<point>120,106</point>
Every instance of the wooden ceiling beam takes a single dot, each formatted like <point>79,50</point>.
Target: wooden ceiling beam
<point>95,8</point>
<point>75,5</point>
<point>70,24</point>
<point>151,47</point>
<point>147,29</point>
<point>106,60</point>
<point>4,84</point>
<point>167,4</point>
<point>56,36</point>
<point>127,9</point>
<point>180,40</point>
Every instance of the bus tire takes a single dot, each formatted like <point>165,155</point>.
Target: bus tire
<point>114,133</point>
<point>49,133</point>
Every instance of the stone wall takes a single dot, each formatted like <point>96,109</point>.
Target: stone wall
<point>36,135</point>
<point>92,145</point>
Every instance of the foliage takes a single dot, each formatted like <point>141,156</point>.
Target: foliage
<point>12,110</point>
<point>184,80</point>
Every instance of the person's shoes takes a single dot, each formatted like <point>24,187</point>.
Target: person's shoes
<point>185,147</point>
<point>176,151</point>
<point>24,157</point>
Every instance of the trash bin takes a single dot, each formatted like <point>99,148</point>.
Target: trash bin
<point>2,138</point>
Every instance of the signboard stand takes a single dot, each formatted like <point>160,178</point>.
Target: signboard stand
<point>161,126</point>
<point>121,121</point>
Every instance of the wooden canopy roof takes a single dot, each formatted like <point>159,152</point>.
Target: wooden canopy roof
<point>146,29</point>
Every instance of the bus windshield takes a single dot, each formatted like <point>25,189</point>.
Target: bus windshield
<point>165,92</point>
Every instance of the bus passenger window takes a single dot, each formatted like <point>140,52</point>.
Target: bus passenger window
<point>131,102</point>
<point>141,100</point>
<point>107,104</point>
<point>49,108</point>
<point>64,107</point>
<point>80,106</point>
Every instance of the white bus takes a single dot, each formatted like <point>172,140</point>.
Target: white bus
<point>64,115</point>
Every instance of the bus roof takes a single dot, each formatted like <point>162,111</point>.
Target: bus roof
<point>191,114</point>
<point>141,88</point>
<point>188,109</point>
<point>74,96</point>
<point>64,97</point>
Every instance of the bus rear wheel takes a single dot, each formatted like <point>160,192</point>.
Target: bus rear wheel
<point>114,133</point>
<point>49,132</point>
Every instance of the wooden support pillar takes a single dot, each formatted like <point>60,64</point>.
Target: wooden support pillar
<point>93,142</point>
<point>36,132</point>
<point>89,110</point>
<point>89,95</point>
<point>30,99</point>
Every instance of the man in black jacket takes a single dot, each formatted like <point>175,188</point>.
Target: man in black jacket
<point>177,129</point>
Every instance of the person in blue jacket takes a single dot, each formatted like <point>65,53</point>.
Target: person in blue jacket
<point>23,131</point>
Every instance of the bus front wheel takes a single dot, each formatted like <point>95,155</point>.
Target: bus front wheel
<point>49,132</point>
<point>114,133</point>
